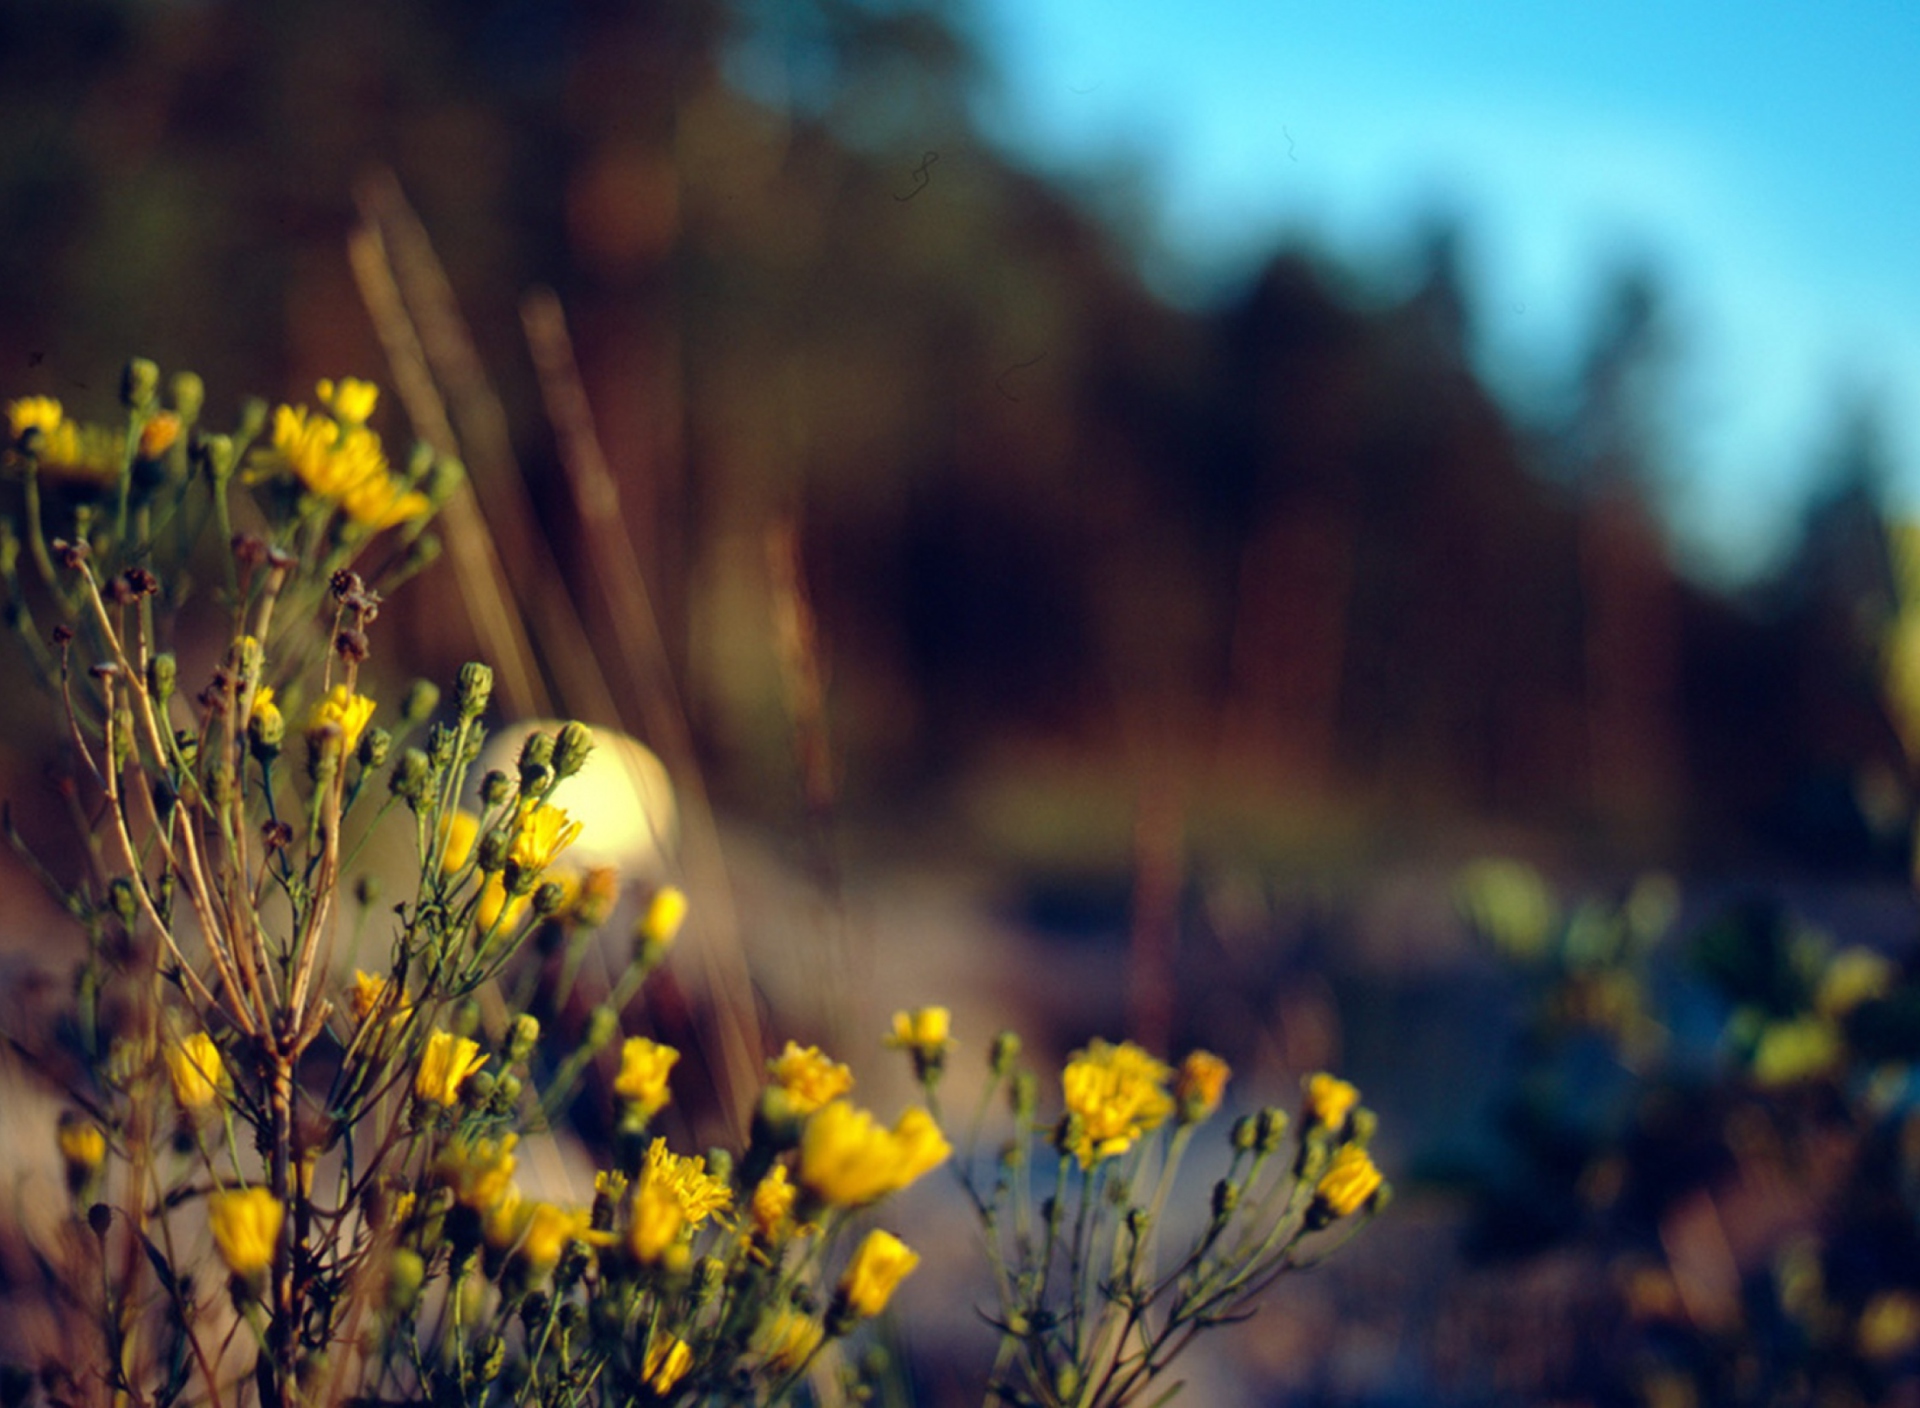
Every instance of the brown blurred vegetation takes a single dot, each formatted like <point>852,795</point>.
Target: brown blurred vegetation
<point>1289,558</point>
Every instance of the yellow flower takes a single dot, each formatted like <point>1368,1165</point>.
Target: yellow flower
<point>199,1075</point>
<point>548,1231</point>
<point>926,1032</point>
<point>543,833</point>
<point>660,923</point>
<point>847,1159</point>
<point>1201,1081</point>
<point>1117,1093</point>
<point>1350,1180</point>
<point>772,1204</point>
<point>344,710</point>
<point>351,401</point>
<point>642,1081</point>
<point>41,413</point>
<point>656,1223</point>
<point>882,1263</point>
<point>371,994</point>
<point>265,714</point>
<point>457,835</point>
<point>158,434</point>
<point>1330,1100</point>
<point>697,1193</point>
<point>445,1066</point>
<point>82,1147</point>
<point>246,1228</point>
<point>496,907</point>
<point>787,1339</point>
<point>808,1078</point>
<point>479,1171</point>
<point>668,1359</point>
<point>343,462</point>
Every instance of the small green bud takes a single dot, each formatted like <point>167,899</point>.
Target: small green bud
<point>571,749</point>
<point>536,752</point>
<point>1137,1223</point>
<point>1226,1197</point>
<point>139,384</point>
<point>1003,1053</point>
<point>506,1094</point>
<point>472,690</point>
<point>1069,1133</point>
<point>522,1033</point>
<point>1271,1128</point>
<point>476,1090</point>
<point>366,890</point>
<point>495,788</point>
<point>720,1164</point>
<point>493,850</point>
<point>492,1359</point>
<point>123,900</point>
<point>374,747</point>
<point>406,1274</point>
<point>549,899</point>
<point>411,777</point>
<point>1363,1125</point>
<point>447,475</point>
<point>253,418</point>
<point>187,394</point>
<point>466,1018</point>
<point>214,456</point>
<point>422,698</point>
<point>1066,1382</point>
<point>163,673</point>
<point>1025,1096</point>
<point>1246,1134</point>
<point>601,1026</point>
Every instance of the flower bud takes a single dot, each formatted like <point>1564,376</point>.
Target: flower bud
<point>493,850</point>
<point>139,384</point>
<point>1003,1053</point>
<point>406,1274</point>
<point>374,748</point>
<point>422,698</point>
<point>472,690</point>
<point>570,749</point>
<point>163,672</point>
<point>411,778</point>
<point>187,394</point>
<point>549,898</point>
<point>495,788</point>
<point>601,1025</point>
<point>522,1033</point>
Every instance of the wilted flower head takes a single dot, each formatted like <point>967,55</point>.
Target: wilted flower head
<point>246,1228</point>
<point>445,1066</point>
<point>1117,1093</point>
<point>1197,1088</point>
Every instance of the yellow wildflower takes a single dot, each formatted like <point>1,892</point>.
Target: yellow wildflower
<point>479,1171</point>
<point>199,1075</point>
<point>157,436</point>
<point>1117,1093</point>
<point>457,835</point>
<point>772,1204</point>
<point>881,1264</point>
<point>926,1032</point>
<point>698,1194</point>
<point>497,907</point>
<point>343,710</point>
<point>351,401</point>
<point>83,1148</point>
<point>847,1159</point>
<point>41,413</point>
<point>1330,1100</point>
<point>656,1222</point>
<point>343,463</point>
<point>668,1359</point>
<point>246,1229</point>
<point>1350,1180</point>
<point>543,833</point>
<point>371,994</point>
<point>661,921</point>
<point>548,1231</point>
<point>445,1066</point>
<point>808,1078</point>
<point>67,450</point>
<point>1197,1089</point>
<point>788,1339</point>
<point>642,1081</point>
<point>265,714</point>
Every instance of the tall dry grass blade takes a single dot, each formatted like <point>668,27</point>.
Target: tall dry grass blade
<point>484,588</point>
<point>480,423</point>
<point>642,653</point>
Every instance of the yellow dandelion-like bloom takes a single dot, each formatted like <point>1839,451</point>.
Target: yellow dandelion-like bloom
<point>808,1077</point>
<point>373,994</point>
<point>644,1067</point>
<point>1350,1180</point>
<point>198,1074</point>
<point>344,710</point>
<point>543,833</point>
<point>656,1222</point>
<point>772,1204</point>
<point>83,1147</point>
<point>549,1229</point>
<point>1330,1100</point>
<point>351,401</point>
<point>787,1339</point>
<point>246,1228</point>
<point>926,1032</point>
<point>698,1193</point>
<point>457,835</point>
<point>848,1159</point>
<point>479,1171</point>
<point>667,1361</point>
<point>878,1267</point>
<point>445,1066</point>
<point>88,453</point>
<point>41,413</point>
<point>1199,1085</point>
<point>343,462</point>
<point>265,714</point>
<point>1118,1094</point>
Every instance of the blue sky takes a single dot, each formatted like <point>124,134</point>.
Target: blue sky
<point>1762,158</point>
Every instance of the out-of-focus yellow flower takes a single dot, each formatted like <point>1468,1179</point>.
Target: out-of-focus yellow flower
<point>1350,1180</point>
<point>157,436</point>
<point>1199,1085</point>
<point>199,1075</point>
<point>644,1067</point>
<point>544,831</point>
<point>498,908</point>
<point>246,1228</point>
<point>351,401</point>
<point>808,1077</point>
<point>1330,1100</point>
<point>881,1264</point>
<point>90,453</point>
<point>1890,1325</point>
<point>698,1193</point>
<point>548,1231</point>
<point>660,922</point>
<point>1789,1052</point>
<point>787,1339</point>
<point>457,835</point>
<point>848,1159</point>
<point>655,1223</point>
<point>1853,976</point>
<point>668,1359</point>
<point>772,1204</point>
<point>1118,1093</point>
<point>344,710</point>
<point>926,1032</point>
<point>479,1171</point>
<point>83,1148</point>
<point>371,994</point>
<point>41,413</point>
<point>265,714</point>
<point>445,1066</point>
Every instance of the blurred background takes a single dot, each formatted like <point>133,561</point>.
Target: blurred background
<point>1114,506</point>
